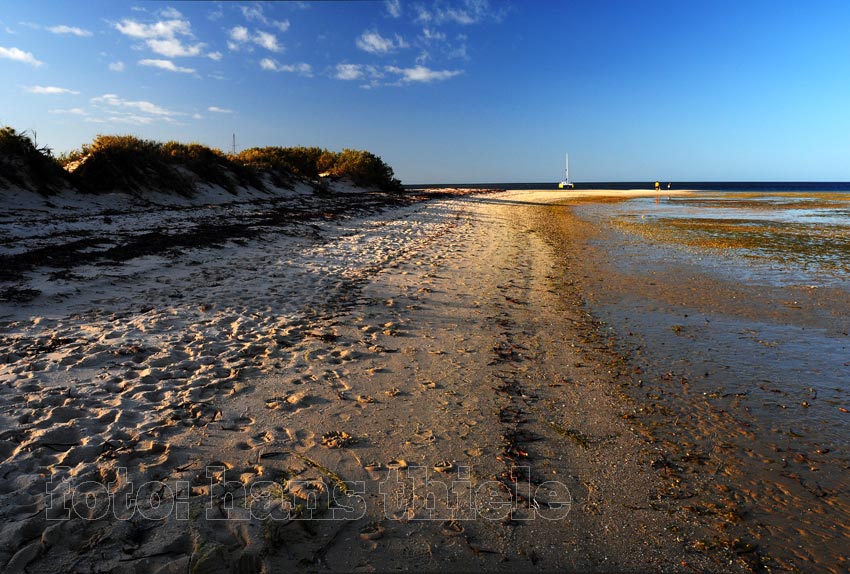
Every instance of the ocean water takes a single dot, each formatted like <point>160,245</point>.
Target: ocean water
<point>732,186</point>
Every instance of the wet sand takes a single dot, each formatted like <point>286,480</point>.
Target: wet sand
<point>755,376</point>
<point>421,388</point>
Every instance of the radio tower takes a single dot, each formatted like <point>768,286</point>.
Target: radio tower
<point>234,144</point>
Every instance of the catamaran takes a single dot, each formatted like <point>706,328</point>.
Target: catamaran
<point>566,183</point>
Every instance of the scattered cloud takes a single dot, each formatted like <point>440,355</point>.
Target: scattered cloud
<point>73,30</point>
<point>116,66</point>
<point>218,110</point>
<point>459,49</point>
<point>239,34</point>
<point>255,13</point>
<point>438,41</point>
<point>19,56</point>
<point>267,41</point>
<point>422,74</point>
<point>240,37</point>
<point>165,37</point>
<point>49,90</point>
<point>348,72</point>
<point>374,43</point>
<point>214,56</point>
<point>393,7</point>
<point>166,65</point>
<point>170,12</point>
<point>465,12</point>
<point>70,112</point>
<point>197,116</point>
<point>432,35</point>
<point>216,14</point>
<point>143,106</point>
<point>300,68</point>
<point>173,48</point>
<point>162,29</point>
<point>140,112</point>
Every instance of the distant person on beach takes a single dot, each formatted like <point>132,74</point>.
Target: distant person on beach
<point>657,186</point>
<point>669,185</point>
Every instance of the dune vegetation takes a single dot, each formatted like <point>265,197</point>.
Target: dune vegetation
<point>127,163</point>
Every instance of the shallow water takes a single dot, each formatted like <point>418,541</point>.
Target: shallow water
<point>745,340</point>
<point>778,239</point>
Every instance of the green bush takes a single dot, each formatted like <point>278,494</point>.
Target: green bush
<point>24,165</point>
<point>210,165</point>
<point>363,168</point>
<point>127,163</point>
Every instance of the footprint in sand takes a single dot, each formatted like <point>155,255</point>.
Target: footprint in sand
<point>260,439</point>
<point>238,424</point>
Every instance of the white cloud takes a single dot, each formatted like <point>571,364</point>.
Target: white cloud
<point>433,35</point>
<point>374,43</point>
<point>163,29</point>
<point>218,110</point>
<point>166,65</point>
<point>255,13</point>
<point>116,66</point>
<point>129,111</point>
<point>163,37</point>
<point>71,111</point>
<point>197,116</point>
<point>423,74</point>
<point>357,72</point>
<point>62,29</point>
<point>132,119</point>
<point>393,7</point>
<point>267,41</point>
<point>465,13</point>
<point>170,12</point>
<point>173,48</point>
<point>49,90</point>
<point>300,68</point>
<point>214,56</point>
<point>239,34</point>
<point>348,72</point>
<point>19,56</point>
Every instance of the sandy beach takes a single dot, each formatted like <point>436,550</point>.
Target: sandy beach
<point>418,386</point>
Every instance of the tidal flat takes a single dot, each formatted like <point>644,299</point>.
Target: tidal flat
<point>732,309</point>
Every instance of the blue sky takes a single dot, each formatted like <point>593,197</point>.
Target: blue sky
<point>451,90</point>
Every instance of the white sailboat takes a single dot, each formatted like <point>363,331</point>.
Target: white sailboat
<point>566,184</point>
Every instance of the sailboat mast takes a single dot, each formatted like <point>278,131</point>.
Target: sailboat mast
<point>567,167</point>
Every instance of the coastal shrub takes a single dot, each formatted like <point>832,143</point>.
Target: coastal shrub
<point>126,163</point>
<point>269,160</point>
<point>24,164</point>
<point>363,168</point>
<point>210,165</point>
